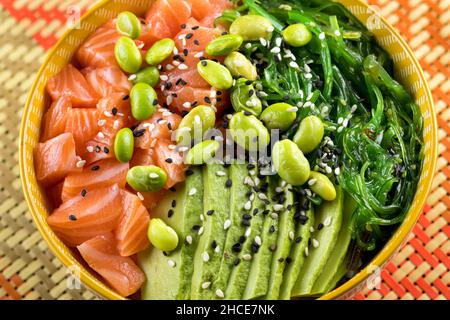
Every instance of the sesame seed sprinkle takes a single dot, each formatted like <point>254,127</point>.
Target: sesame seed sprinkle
<point>247,257</point>
<point>205,256</point>
<point>201,230</point>
<point>140,196</point>
<point>226,224</point>
<point>219,293</point>
<point>206,285</point>
<point>171,263</point>
<point>258,240</point>
<point>192,191</point>
<point>315,243</point>
<point>189,239</point>
<point>132,77</point>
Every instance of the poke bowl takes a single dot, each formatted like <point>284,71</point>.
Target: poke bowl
<point>101,180</point>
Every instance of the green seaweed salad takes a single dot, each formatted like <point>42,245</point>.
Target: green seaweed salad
<point>373,126</point>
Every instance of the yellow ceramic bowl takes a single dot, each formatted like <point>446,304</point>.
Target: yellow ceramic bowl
<point>407,69</point>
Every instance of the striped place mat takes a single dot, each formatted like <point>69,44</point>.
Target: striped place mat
<point>28,270</point>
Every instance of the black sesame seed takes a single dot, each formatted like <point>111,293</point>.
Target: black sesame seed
<point>255,211</point>
<point>193,104</point>
<point>204,63</point>
<point>114,111</point>
<point>242,239</point>
<point>248,82</point>
<point>255,247</point>
<point>219,93</point>
<point>165,253</point>
<point>210,212</point>
<point>266,212</point>
<point>245,223</point>
<point>189,172</point>
<point>288,260</point>
<point>298,239</point>
<point>72,217</point>
<point>251,166</point>
<point>309,242</point>
<point>185,52</point>
<point>207,99</point>
<point>251,92</point>
<point>320,226</point>
<point>247,113</point>
<point>126,97</point>
<point>169,126</point>
<point>83,192</point>
<point>224,33</point>
<point>237,247</point>
<point>272,229</point>
<point>170,213</point>
<point>106,150</point>
<point>246,216</point>
<point>286,97</point>
<point>236,261</point>
<point>98,149</point>
<point>195,27</point>
<point>178,81</point>
<point>289,207</point>
<point>172,189</point>
<point>196,42</point>
<point>168,86</point>
<point>95,168</point>
<point>229,183</point>
<point>138,133</point>
<point>213,244</point>
<point>183,26</point>
<point>196,227</point>
<point>281,259</point>
<point>169,160</point>
<point>175,95</point>
<point>189,35</point>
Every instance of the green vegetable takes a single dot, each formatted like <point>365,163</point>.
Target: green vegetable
<point>161,235</point>
<point>215,74</point>
<point>160,51</point>
<point>195,124</point>
<point>202,152</point>
<point>279,116</point>
<point>146,178</point>
<point>252,27</point>
<point>240,66</point>
<point>309,134</point>
<point>149,75</point>
<point>124,145</point>
<point>322,186</point>
<point>143,101</point>
<point>290,163</point>
<point>244,98</point>
<point>224,45</point>
<point>297,35</point>
<point>128,55</point>
<point>128,25</point>
<point>249,132</point>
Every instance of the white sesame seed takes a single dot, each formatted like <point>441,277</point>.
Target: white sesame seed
<point>311,229</point>
<point>192,191</point>
<point>322,36</point>
<point>283,183</point>
<point>312,182</point>
<point>197,119</point>
<point>285,7</point>
<point>153,144</point>
<point>252,172</point>
<point>262,196</point>
<point>340,129</point>
<point>187,105</point>
<point>175,50</point>
<point>198,54</point>
<point>219,293</point>
<point>189,239</point>
<point>101,122</point>
<point>252,197</point>
<point>307,69</point>
<point>258,240</point>
<point>163,77</point>
<point>315,243</point>
<point>325,109</point>
<point>202,217</point>
<point>132,77</point>
<point>292,109</point>
<point>217,249</point>
<point>181,36</point>
<point>278,42</point>
<point>270,29</point>
<point>200,231</point>
<point>140,196</point>
<point>337,33</point>
<point>328,169</point>
<point>353,109</point>
<point>291,235</point>
<point>206,285</point>
<point>308,75</point>
<point>327,221</point>
<point>294,65</point>
<point>116,124</point>
<point>300,104</point>
<point>221,173</point>
<point>226,224</point>
<point>183,149</point>
<point>101,135</point>
<point>248,232</point>
<point>308,192</point>
<point>337,171</point>
<point>162,122</point>
<point>248,45</point>
<point>171,263</point>
<point>263,41</point>
<point>90,149</point>
<point>306,251</point>
<point>172,147</point>
<point>169,67</point>
<point>340,120</point>
<point>153,175</point>
<point>247,257</point>
<point>176,63</point>
<point>205,256</point>
<point>274,215</point>
<point>183,67</point>
<point>248,205</point>
<point>345,123</point>
<point>275,50</point>
<point>81,163</point>
<point>249,181</point>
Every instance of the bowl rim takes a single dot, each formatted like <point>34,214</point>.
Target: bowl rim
<point>390,248</point>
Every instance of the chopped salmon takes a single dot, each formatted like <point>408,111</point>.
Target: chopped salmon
<point>171,161</point>
<point>54,122</point>
<point>143,157</point>
<point>87,215</point>
<point>131,233</point>
<point>71,83</point>
<point>121,273</point>
<point>55,159</point>
<point>107,80</point>
<point>83,124</point>
<point>98,175</point>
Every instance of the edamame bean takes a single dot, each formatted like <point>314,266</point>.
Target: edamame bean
<point>194,125</point>
<point>252,27</point>
<point>309,134</point>
<point>128,25</point>
<point>248,132</point>
<point>322,186</point>
<point>124,145</point>
<point>128,55</point>
<point>240,66</point>
<point>160,51</point>
<point>279,116</point>
<point>215,74</point>
<point>243,98</point>
<point>146,178</point>
<point>297,35</point>
<point>224,45</point>
<point>143,101</point>
<point>290,163</point>
<point>149,75</point>
<point>161,235</point>
<point>202,152</point>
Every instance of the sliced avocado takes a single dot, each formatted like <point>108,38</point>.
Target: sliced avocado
<point>180,211</point>
<point>339,250</point>
<point>341,272</point>
<point>302,236</point>
<point>239,216</point>
<point>216,209</point>
<point>240,273</point>
<point>329,214</point>
<point>258,279</point>
<point>286,236</point>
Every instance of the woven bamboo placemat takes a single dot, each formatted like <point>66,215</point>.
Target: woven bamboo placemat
<point>28,270</point>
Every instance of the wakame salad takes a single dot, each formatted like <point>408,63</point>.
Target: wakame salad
<point>229,150</point>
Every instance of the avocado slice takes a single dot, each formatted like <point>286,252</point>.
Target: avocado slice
<point>258,279</point>
<point>341,272</point>
<point>216,209</point>
<point>330,215</point>
<point>286,236</point>
<point>302,236</point>
<point>165,281</point>
<point>240,216</point>
<point>240,273</point>
<point>340,249</point>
